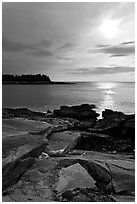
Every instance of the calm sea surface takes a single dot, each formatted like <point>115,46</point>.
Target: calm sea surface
<point>116,96</point>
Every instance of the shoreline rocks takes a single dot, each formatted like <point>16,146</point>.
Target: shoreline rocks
<point>80,112</point>
<point>67,136</point>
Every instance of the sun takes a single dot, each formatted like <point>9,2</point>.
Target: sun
<point>110,28</point>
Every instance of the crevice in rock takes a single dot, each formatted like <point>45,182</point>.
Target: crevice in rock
<point>13,171</point>
<point>112,185</point>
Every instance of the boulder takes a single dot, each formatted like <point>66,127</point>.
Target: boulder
<point>72,177</point>
<point>116,124</point>
<point>101,176</point>
<point>80,112</point>
<point>49,111</point>
<point>108,113</point>
<point>123,129</point>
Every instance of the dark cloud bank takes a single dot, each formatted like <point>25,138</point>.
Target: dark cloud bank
<point>36,49</point>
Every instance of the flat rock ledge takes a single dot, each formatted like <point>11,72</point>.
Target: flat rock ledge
<point>68,155</point>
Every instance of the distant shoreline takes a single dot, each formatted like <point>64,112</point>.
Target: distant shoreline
<point>37,83</point>
<point>59,82</point>
<point>30,79</point>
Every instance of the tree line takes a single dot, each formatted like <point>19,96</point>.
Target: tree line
<point>25,78</point>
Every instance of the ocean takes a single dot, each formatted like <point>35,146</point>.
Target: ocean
<point>111,95</point>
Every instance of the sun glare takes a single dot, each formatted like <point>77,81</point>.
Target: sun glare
<point>110,28</point>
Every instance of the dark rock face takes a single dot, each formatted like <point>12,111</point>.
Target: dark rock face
<point>110,118</point>
<point>116,124</point>
<point>101,142</point>
<point>108,113</point>
<point>49,111</point>
<point>11,173</point>
<point>80,112</point>
<point>118,129</point>
<point>124,128</point>
<point>95,141</point>
<point>127,127</point>
<point>114,133</point>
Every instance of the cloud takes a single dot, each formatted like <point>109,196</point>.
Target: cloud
<point>12,63</point>
<point>118,55</point>
<point>36,49</point>
<point>8,45</point>
<point>127,43</point>
<point>65,46</point>
<point>120,50</point>
<point>102,70</point>
<point>41,53</point>
<point>44,43</point>
<point>103,45</point>
<point>66,58</point>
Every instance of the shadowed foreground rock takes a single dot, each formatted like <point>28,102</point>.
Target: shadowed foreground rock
<point>61,179</point>
<point>124,128</point>
<point>13,170</point>
<point>101,142</point>
<point>86,195</point>
<point>12,173</point>
<point>68,155</point>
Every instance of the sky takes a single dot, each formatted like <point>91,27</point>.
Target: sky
<point>69,41</point>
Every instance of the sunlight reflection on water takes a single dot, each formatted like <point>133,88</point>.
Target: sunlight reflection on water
<point>106,85</point>
<point>118,96</point>
<point>108,99</point>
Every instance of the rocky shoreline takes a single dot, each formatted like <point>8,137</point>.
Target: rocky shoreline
<point>68,155</point>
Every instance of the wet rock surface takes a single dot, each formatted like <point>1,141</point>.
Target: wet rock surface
<point>63,156</point>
